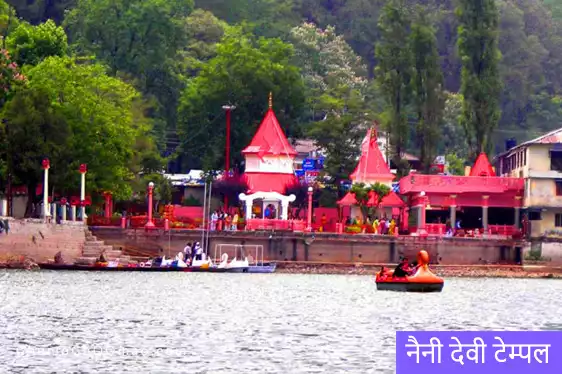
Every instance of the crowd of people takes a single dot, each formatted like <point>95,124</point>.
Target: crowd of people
<point>223,221</point>
<point>382,226</point>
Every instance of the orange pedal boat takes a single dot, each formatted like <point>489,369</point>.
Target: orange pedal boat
<point>422,281</point>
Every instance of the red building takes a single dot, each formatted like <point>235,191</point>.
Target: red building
<point>371,169</point>
<point>269,170</point>
<point>480,200</point>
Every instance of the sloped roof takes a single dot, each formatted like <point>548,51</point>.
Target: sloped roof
<point>552,137</point>
<point>270,139</point>
<point>392,200</point>
<point>371,166</point>
<point>482,167</point>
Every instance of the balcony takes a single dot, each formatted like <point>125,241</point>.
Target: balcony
<point>452,184</point>
<point>547,174</point>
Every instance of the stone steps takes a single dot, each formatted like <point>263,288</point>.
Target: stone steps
<point>93,248</point>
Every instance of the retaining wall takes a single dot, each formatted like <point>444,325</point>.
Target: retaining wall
<point>323,247</point>
<point>41,241</point>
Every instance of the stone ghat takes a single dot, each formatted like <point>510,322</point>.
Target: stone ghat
<point>40,241</point>
<point>318,247</point>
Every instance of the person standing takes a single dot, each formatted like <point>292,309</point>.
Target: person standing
<point>235,221</point>
<point>227,222</point>
<point>214,219</point>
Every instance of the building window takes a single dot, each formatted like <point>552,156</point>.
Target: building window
<point>558,220</point>
<point>534,215</point>
<point>556,160</point>
<point>524,157</point>
<point>558,188</point>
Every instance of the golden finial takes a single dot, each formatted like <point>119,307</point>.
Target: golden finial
<point>270,100</point>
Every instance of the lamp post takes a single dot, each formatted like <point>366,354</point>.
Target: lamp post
<point>83,170</point>
<point>46,206</point>
<point>421,213</point>
<point>228,109</point>
<point>150,224</point>
<point>309,216</point>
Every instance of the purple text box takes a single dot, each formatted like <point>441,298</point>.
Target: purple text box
<point>481,352</point>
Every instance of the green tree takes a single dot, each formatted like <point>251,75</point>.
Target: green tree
<point>455,164</point>
<point>362,193</point>
<point>335,79</point>
<point>267,18</point>
<point>203,32</point>
<point>76,114</point>
<point>8,20</point>
<point>327,63</point>
<point>243,73</point>
<point>453,136</point>
<point>381,191</point>
<point>340,132</point>
<point>37,11</point>
<point>31,44</point>
<point>393,74</point>
<point>481,84</point>
<point>427,83</point>
<point>140,41</point>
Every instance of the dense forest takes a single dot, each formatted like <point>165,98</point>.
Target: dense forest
<point>143,82</point>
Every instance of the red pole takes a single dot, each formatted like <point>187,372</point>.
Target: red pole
<point>227,153</point>
<point>309,217</point>
<point>150,224</point>
<point>107,205</point>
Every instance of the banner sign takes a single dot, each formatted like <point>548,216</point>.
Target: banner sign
<point>474,352</point>
<point>308,164</point>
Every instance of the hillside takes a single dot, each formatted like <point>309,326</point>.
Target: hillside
<point>168,63</point>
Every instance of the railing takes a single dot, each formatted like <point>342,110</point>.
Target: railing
<point>436,228</point>
<point>104,221</point>
<point>458,184</point>
<point>504,230</point>
<point>275,225</point>
<point>137,222</point>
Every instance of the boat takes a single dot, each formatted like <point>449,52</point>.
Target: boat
<point>263,268</point>
<point>422,281</point>
<point>98,267</point>
<point>247,265</point>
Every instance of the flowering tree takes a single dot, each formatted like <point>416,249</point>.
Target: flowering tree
<point>326,59</point>
<point>9,76</point>
<point>230,188</point>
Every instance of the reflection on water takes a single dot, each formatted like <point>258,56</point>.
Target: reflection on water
<point>239,323</point>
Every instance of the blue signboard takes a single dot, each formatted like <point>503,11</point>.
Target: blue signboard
<point>299,173</point>
<point>308,164</point>
<point>313,164</point>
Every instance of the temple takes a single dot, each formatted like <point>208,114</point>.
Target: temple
<point>478,201</point>
<point>371,169</point>
<point>269,168</point>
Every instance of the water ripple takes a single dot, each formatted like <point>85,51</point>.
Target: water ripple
<point>242,323</point>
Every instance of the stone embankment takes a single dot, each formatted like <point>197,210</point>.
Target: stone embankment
<point>31,241</point>
<point>476,271</point>
<point>34,239</point>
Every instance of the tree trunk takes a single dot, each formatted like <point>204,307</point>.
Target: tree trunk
<point>31,187</point>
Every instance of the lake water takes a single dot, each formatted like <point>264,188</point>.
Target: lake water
<point>242,323</point>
